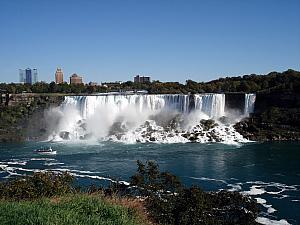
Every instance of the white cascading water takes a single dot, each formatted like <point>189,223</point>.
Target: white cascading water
<point>249,103</point>
<point>117,103</point>
<point>212,105</point>
<point>166,118</point>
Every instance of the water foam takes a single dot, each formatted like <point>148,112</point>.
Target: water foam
<point>263,202</point>
<point>5,167</point>
<point>144,118</point>
<point>266,221</point>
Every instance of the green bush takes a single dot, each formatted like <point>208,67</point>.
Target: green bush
<point>169,202</point>
<point>39,185</point>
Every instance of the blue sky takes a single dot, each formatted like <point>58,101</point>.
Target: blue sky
<point>169,40</point>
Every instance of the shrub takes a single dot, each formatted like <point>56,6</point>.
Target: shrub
<point>169,202</point>
<point>39,185</point>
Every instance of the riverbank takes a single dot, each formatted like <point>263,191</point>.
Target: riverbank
<point>273,124</point>
<point>276,117</point>
<point>151,195</point>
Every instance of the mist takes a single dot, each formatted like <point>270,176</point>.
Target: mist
<point>142,118</point>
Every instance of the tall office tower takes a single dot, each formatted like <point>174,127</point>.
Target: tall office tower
<point>59,76</point>
<point>35,76</point>
<point>22,76</point>
<point>28,77</point>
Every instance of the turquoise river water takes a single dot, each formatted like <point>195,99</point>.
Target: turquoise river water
<point>268,172</point>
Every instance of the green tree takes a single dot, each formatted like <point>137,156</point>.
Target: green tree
<point>53,87</point>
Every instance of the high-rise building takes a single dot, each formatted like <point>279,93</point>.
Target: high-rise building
<point>141,79</point>
<point>75,79</point>
<point>28,76</point>
<point>35,76</point>
<point>59,76</point>
<point>22,76</point>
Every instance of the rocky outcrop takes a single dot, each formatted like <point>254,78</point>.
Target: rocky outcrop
<point>265,101</point>
<point>15,100</point>
<point>235,101</point>
<point>267,131</point>
<point>22,116</point>
<point>276,118</point>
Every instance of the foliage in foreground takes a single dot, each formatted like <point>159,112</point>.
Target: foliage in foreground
<point>169,202</point>
<point>37,186</point>
<point>77,209</point>
<point>165,198</point>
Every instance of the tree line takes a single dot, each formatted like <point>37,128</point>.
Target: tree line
<point>275,81</point>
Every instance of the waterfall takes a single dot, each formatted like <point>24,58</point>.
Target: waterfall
<point>163,118</point>
<point>116,103</point>
<point>211,104</point>
<point>249,104</point>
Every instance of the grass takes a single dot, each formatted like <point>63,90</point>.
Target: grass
<point>50,199</point>
<point>79,209</point>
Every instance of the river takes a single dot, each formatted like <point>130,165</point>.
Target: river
<point>268,172</point>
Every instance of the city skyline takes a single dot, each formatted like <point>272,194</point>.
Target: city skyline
<point>28,76</point>
<point>170,40</point>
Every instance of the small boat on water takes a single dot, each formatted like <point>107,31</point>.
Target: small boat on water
<point>46,151</point>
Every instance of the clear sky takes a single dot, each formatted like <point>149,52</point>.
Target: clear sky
<point>169,40</point>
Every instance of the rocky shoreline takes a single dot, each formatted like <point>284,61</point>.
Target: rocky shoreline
<point>276,117</point>
<point>255,129</point>
<point>22,116</point>
<point>267,136</point>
